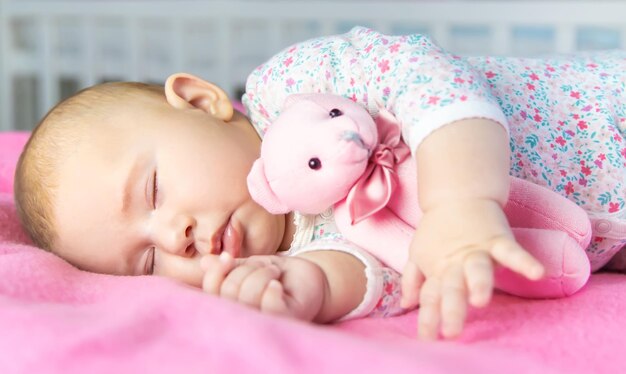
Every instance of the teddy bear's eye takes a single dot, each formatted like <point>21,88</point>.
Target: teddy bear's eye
<point>315,163</point>
<point>335,113</point>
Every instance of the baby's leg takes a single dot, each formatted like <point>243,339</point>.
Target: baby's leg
<point>607,249</point>
<point>613,248</point>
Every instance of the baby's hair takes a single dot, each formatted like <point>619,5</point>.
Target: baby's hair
<point>53,141</point>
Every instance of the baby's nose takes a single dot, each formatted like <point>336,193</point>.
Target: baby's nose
<point>176,236</point>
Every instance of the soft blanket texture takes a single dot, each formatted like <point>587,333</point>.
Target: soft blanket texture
<point>55,318</point>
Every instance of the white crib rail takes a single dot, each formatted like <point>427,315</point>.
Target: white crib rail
<point>86,42</point>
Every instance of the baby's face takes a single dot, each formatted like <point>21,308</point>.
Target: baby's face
<point>157,189</point>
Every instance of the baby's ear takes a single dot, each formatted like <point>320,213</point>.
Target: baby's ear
<point>186,91</point>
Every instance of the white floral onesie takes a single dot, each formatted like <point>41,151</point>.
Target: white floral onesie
<point>566,116</point>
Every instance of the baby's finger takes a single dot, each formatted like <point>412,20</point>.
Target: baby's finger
<point>273,299</point>
<point>216,268</point>
<point>253,286</point>
<point>429,313</point>
<point>453,301</point>
<point>511,255</point>
<point>231,286</point>
<point>412,281</point>
<point>478,269</point>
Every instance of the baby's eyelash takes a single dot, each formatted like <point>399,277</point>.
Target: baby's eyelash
<point>155,189</point>
<point>150,262</point>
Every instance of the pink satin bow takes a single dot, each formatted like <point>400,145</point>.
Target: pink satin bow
<point>374,189</point>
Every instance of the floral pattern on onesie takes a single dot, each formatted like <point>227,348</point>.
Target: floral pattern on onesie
<point>566,115</point>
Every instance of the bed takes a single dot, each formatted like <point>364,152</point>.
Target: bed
<point>56,318</point>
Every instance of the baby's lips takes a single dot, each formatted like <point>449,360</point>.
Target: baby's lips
<point>231,240</point>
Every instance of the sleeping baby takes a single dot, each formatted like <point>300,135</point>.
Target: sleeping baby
<point>135,179</point>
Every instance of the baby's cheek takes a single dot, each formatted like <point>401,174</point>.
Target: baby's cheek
<point>263,234</point>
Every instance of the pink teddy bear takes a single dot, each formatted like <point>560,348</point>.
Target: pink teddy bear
<point>325,150</point>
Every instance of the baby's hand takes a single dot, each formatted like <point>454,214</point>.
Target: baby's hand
<point>451,263</point>
<point>288,286</point>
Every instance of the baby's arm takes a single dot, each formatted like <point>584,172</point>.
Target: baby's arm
<point>463,230</point>
<point>320,286</point>
<point>345,281</point>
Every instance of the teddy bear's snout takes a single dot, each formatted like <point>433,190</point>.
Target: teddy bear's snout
<point>353,136</point>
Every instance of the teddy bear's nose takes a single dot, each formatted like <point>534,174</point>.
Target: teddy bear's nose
<point>335,113</point>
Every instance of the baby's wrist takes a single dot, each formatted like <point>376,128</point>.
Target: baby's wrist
<point>467,195</point>
<point>343,283</point>
<point>465,203</point>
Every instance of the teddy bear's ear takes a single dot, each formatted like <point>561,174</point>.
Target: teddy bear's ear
<point>294,98</point>
<point>262,192</point>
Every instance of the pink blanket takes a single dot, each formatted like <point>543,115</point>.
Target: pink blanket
<point>55,318</point>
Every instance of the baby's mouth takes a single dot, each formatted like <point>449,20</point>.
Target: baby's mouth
<point>227,238</point>
<point>231,239</point>
<point>217,242</point>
